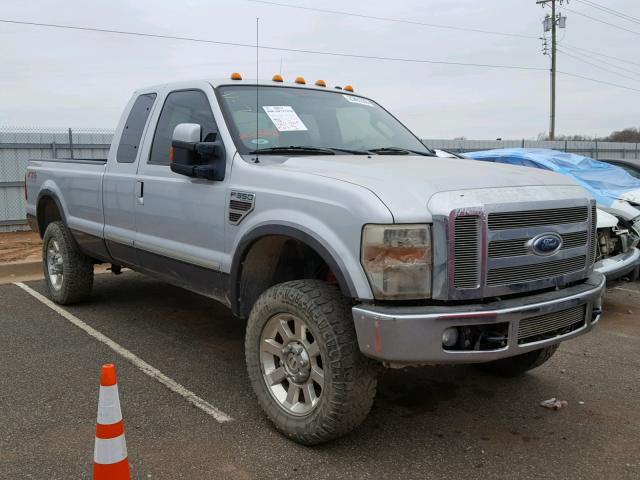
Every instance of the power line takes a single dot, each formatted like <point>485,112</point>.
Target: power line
<point>598,81</point>
<point>604,61</point>
<point>268,47</point>
<point>390,19</point>
<point>602,21</point>
<point>566,45</point>
<point>599,67</point>
<point>610,11</point>
<point>314,52</point>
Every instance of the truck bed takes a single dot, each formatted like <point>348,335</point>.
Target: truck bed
<point>76,184</point>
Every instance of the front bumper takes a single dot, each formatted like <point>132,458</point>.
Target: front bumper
<point>413,335</point>
<point>620,265</point>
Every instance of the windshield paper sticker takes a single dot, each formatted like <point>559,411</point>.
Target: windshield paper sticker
<point>360,100</point>
<point>285,118</point>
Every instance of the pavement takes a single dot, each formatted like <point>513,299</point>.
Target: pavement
<point>446,422</point>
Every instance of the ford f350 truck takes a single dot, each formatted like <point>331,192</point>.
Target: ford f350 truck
<point>347,244</point>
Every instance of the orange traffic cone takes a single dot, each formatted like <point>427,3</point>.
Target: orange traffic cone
<point>110,454</point>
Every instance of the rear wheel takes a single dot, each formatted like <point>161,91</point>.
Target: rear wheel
<point>513,366</point>
<point>304,362</point>
<point>67,271</point>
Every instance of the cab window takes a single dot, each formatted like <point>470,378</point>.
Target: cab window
<point>133,128</point>
<point>185,106</point>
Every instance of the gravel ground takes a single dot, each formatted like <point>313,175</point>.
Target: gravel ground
<point>452,422</point>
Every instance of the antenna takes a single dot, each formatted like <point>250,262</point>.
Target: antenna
<point>257,76</point>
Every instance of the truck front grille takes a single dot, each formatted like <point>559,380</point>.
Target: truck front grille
<point>550,325</point>
<point>467,252</point>
<point>491,253</point>
<point>534,218</point>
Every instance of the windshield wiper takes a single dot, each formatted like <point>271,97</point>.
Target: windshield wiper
<point>304,149</point>
<point>349,150</point>
<point>294,149</point>
<point>399,151</point>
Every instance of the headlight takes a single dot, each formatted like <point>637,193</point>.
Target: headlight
<point>397,260</point>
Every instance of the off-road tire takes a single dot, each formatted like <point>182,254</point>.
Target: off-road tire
<point>77,279</point>
<point>350,378</point>
<point>514,366</point>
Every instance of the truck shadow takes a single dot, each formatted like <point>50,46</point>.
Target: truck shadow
<point>213,335</point>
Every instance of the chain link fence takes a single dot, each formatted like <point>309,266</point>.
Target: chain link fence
<point>594,149</point>
<point>19,144</point>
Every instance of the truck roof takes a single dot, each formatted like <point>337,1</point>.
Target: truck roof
<point>217,82</point>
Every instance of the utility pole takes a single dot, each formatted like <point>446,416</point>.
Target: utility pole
<point>551,23</point>
<point>552,125</point>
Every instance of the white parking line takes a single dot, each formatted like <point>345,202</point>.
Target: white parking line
<point>153,372</point>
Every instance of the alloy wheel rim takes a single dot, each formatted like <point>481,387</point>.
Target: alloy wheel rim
<point>291,362</point>
<point>55,264</point>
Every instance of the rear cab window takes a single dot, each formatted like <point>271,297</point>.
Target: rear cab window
<point>134,127</point>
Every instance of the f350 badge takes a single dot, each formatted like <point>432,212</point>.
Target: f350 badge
<point>240,205</point>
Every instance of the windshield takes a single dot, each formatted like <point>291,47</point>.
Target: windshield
<point>299,117</point>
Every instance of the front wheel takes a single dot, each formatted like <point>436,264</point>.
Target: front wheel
<point>513,366</point>
<point>67,271</point>
<point>304,362</point>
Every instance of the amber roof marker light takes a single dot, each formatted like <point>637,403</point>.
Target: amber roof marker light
<point>321,83</point>
<point>277,78</point>
<point>236,76</point>
<point>348,88</point>
<point>300,80</point>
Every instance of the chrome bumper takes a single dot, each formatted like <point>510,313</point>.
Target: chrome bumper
<point>413,335</point>
<point>620,265</point>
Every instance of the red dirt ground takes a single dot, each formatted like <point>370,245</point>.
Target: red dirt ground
<point>20,246</point>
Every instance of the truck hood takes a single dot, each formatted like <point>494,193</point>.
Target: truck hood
<point>405,183</point>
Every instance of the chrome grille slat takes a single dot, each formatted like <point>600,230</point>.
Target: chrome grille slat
<point>575,239</point>
<point>531,218</point>
<point>594,237</point>
<point>546,324</point>
<point>467,251</point>
<point>517,246</point>
<point>534,271</point>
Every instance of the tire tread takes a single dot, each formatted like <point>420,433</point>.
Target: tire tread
<point>354,377</point>
<point>77,267</point>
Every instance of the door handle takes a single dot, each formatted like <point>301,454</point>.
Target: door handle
<point>140,191</point>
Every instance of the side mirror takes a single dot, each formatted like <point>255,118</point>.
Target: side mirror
<point>187,133</point>
<point>191,157</point>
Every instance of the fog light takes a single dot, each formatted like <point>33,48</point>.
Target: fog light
<point>450,337</point>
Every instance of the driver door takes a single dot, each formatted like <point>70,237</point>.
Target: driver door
<point>180,220</point>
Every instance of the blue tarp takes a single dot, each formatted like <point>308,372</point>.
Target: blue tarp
<point>604,181</point>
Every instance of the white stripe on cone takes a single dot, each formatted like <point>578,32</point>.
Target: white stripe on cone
<point>109,405</point>
<point>112,450</point>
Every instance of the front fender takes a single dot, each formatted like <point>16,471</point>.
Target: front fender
<point>324,241</point>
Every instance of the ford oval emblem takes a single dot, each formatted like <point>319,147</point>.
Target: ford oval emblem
<point>545,243</point>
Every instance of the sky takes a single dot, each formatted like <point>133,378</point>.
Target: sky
<point>60,78</point>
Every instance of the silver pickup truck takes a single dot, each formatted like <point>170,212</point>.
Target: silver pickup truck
<point>347,244</point>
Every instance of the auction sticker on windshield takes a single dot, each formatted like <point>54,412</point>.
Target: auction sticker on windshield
<point>360,100</point>
<point>285,118</point>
